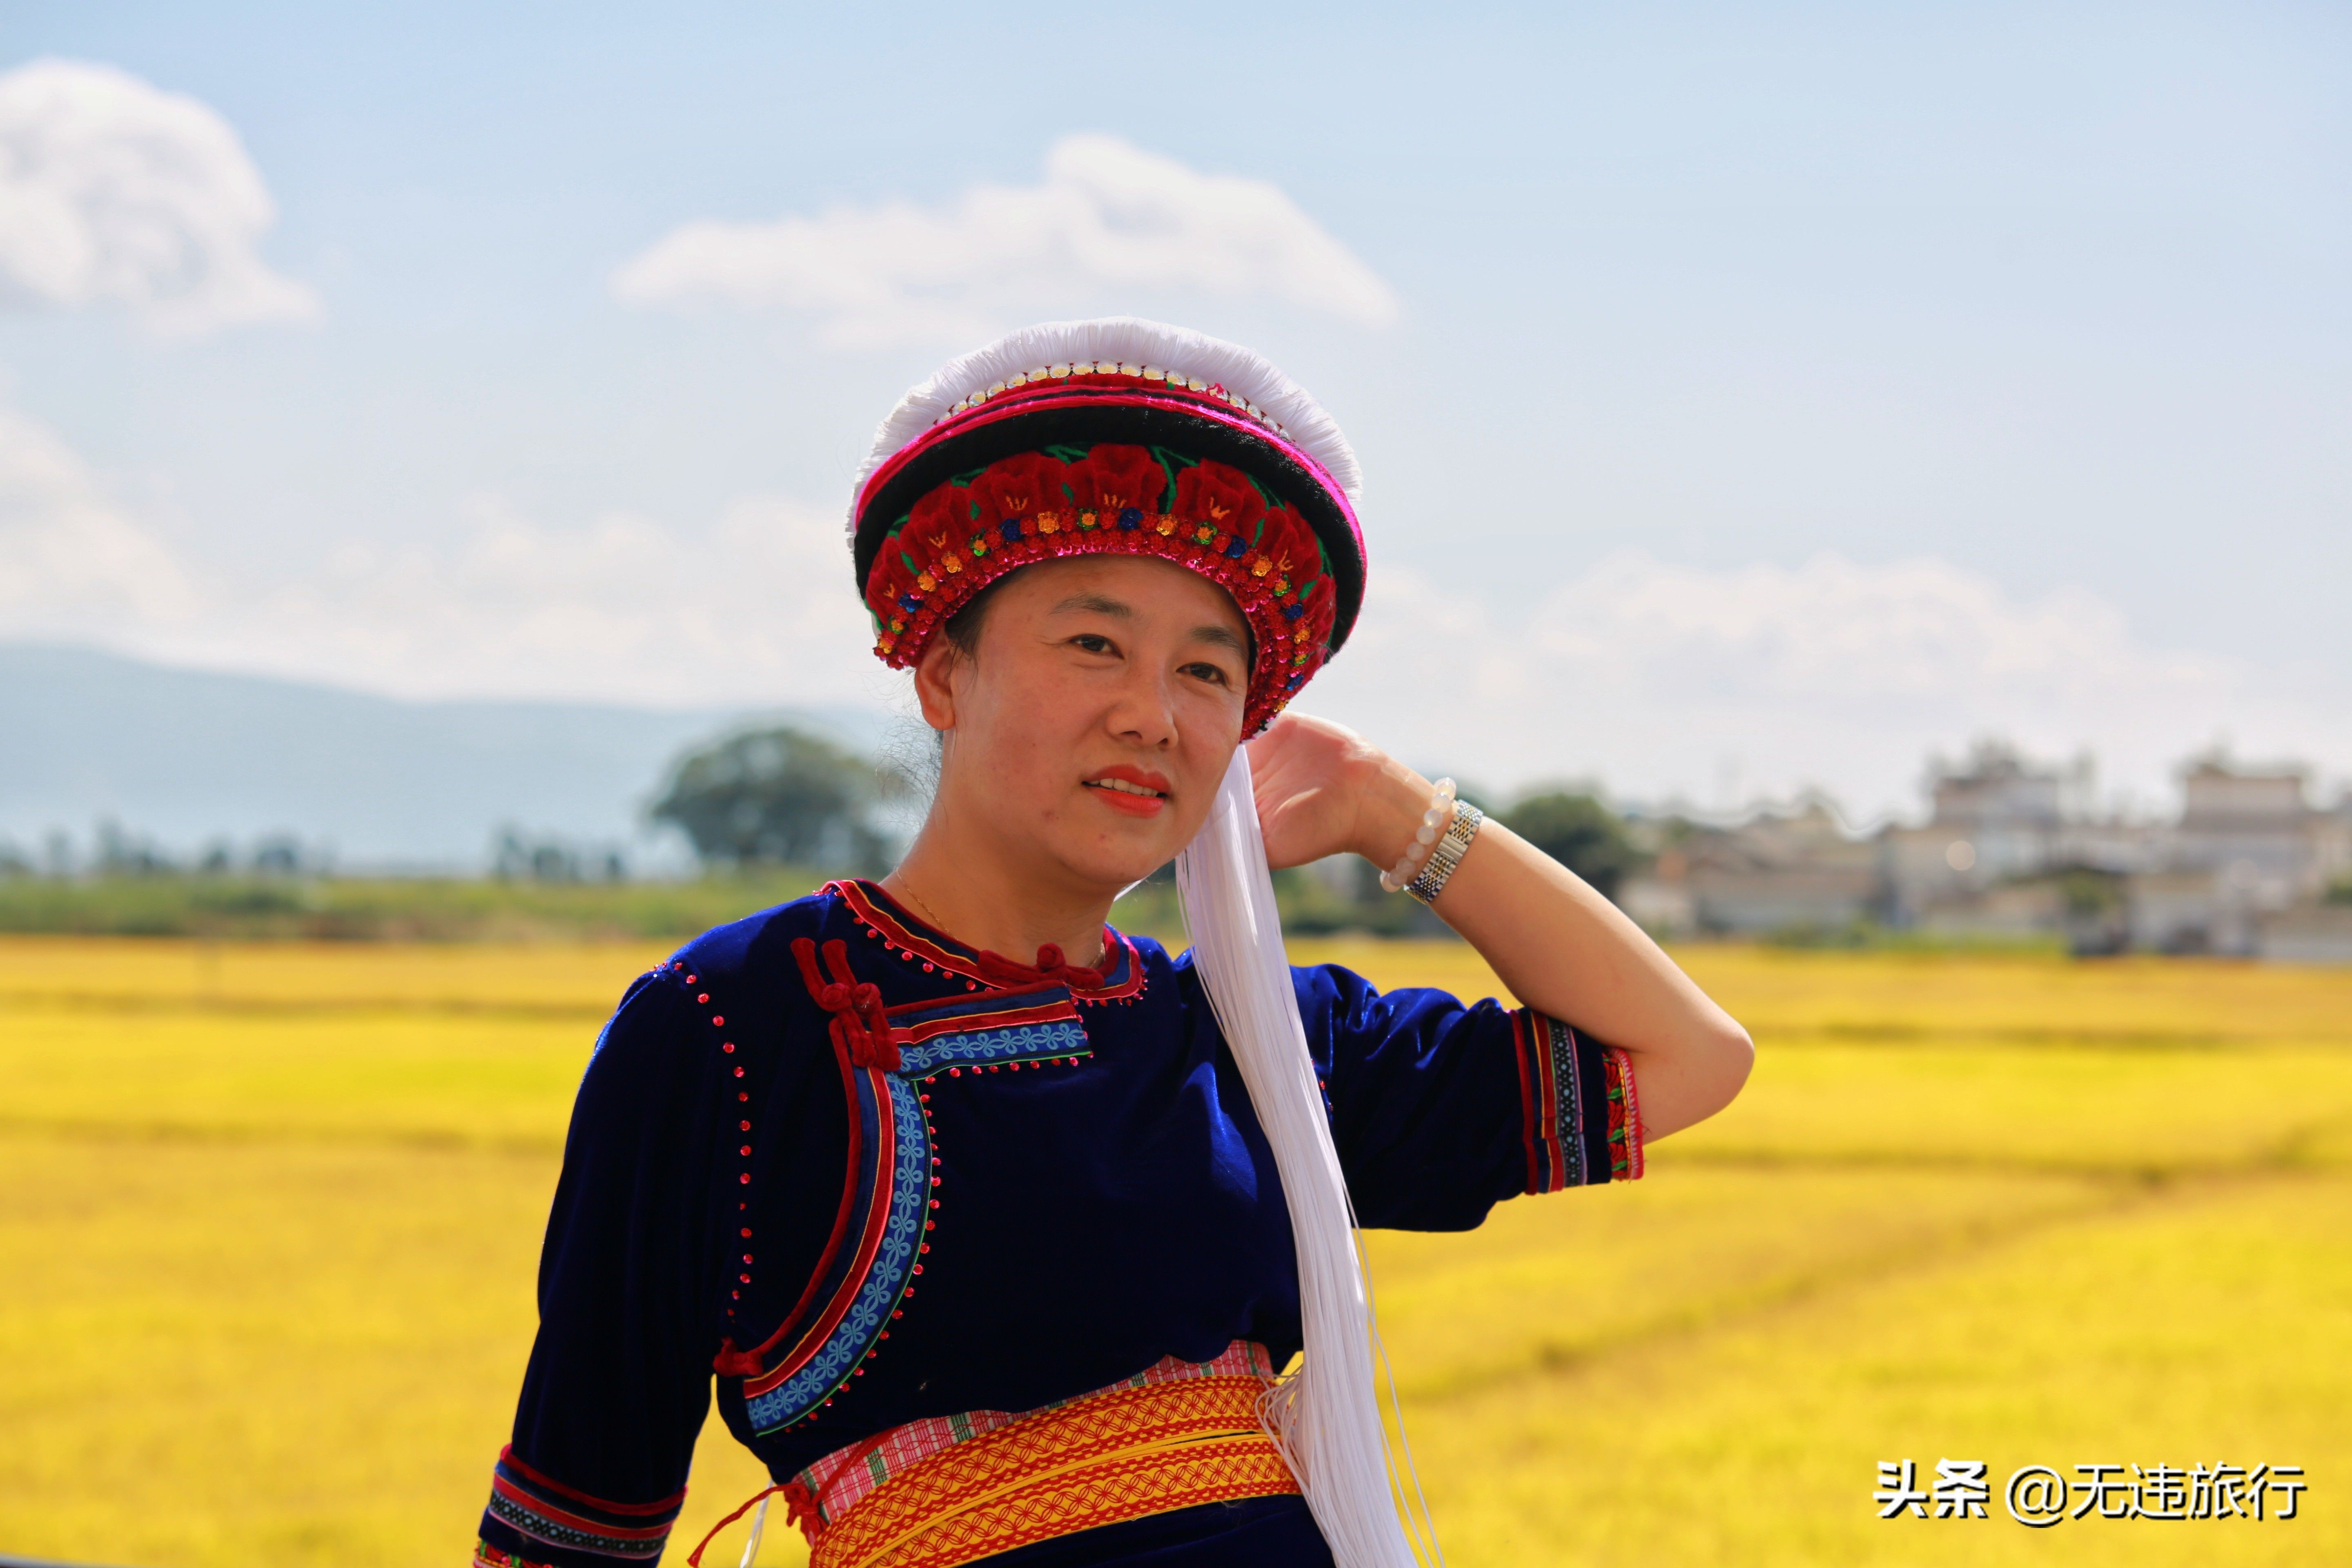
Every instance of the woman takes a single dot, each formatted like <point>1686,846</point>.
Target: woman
<point>994,1237</point>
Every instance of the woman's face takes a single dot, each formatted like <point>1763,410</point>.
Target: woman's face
<point>1093,727</point>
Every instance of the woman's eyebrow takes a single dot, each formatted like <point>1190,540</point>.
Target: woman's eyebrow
<point>1221,637</point>
<point>1099,603</point>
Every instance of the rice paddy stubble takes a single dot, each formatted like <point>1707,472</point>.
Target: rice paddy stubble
<point>271,1216</point>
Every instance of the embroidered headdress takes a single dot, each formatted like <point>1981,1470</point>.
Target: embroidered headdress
<point>1124,435</point>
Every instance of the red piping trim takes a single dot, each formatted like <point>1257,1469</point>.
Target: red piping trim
<point>538,1478</point>
<point>971,1023</point>
<point>540,1508</point>
<point>1523,1025</point>
<point>1009,998</point>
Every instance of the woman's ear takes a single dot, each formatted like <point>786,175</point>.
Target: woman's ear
<point>935,683</point>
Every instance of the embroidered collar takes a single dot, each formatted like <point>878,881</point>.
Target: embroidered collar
<point>1120,978</point>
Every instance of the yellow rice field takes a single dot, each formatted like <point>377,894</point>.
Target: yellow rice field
<point>269,1217</point>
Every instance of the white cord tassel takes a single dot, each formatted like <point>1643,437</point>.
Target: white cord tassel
<point>1325,1417</point>
<point>759,1528</point>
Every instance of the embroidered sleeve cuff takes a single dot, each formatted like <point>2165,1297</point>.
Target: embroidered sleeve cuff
<point>1579,1116</point>
<point>544,1513</point>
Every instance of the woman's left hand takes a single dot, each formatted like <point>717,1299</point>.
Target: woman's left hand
<point>1322,789</point>
<point>1559,946</point>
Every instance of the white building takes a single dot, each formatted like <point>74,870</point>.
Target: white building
<point>2014,847</point>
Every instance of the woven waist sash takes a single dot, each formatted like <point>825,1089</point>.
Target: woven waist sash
<point>1126,1452</point>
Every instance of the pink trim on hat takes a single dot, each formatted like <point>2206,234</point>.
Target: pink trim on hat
<point>1021,400</point>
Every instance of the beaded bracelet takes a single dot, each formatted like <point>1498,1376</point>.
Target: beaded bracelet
<point>1433,822</point>
<point>1448,853</point>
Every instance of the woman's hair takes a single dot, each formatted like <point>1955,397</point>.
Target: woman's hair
<point>962,628</point>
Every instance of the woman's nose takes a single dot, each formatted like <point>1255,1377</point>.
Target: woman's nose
<point>1146,710</point>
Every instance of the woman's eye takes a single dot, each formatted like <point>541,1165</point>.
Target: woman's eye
<point>1092,642</point>
<point>1207,672</point>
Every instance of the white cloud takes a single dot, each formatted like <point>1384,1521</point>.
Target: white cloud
<point>114,192</point>
<point>755,608</point>
<point>71,560</point>
<point>1653,680</point>
<point>1107,220</point>
<point>1659,680</point>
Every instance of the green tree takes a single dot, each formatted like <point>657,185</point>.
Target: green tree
<point>778,797</point>
<point>1580,833</point>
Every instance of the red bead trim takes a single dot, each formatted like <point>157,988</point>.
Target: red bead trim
<point>743,1153</point>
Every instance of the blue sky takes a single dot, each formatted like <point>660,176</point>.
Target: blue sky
<point>1770,394</point>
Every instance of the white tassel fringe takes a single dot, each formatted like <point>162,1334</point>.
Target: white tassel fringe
<point>1130,340</point>
<point>1325,1416</point>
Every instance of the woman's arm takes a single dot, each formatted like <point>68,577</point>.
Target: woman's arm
<point>1559,945</point>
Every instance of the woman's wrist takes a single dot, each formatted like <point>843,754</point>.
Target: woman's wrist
<point>1420,855</point>
<point>1388,818</point>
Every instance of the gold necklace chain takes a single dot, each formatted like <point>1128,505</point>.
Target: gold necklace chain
<point>928,913</point>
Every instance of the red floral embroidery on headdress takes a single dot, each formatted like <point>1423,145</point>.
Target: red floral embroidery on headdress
<point>1017,487</point>
<point>1216,494</point>
<point>1111,478</point>
<point>937,519</point>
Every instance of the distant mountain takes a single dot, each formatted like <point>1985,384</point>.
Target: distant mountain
<point>185,757</point>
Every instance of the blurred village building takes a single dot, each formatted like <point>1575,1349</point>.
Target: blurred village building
<point>2249,867</point>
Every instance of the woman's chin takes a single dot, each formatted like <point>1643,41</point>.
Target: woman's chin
<point>1115,868</point>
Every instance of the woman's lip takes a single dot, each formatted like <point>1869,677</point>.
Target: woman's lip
<point>1128,805</point>
<point>1126,773</point>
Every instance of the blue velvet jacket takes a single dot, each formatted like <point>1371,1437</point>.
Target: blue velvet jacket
<point>867,1175</point>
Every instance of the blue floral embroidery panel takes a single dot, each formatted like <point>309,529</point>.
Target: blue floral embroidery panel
<point>886,1281</point>
<point>1062,1038</point>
